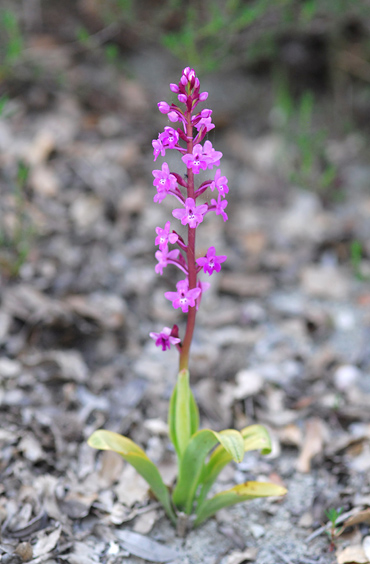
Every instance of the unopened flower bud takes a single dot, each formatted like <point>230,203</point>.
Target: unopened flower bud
<point>163,107</point>
<point>172,116</point>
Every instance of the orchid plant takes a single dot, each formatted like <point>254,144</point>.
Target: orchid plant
<point>199,462</point>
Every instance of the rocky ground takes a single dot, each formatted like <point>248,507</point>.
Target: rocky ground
<point>282,336</point>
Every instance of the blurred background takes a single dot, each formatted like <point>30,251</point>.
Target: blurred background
<point>293,73</point>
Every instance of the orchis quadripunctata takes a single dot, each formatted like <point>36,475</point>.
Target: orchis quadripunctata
<point>199,462</point>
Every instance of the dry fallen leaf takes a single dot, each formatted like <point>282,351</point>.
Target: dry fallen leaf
<point>360,517</point>
<point>238,557</point>
<point>366,547</point>
<point>352,555</point>
<point>111,468</point>
<point>77,505</point>
<point>248,383</point>
<point>82,554</point>
<point>313,444</point>
<point>146,548</point>
<point>131,487</point>
<point>46,542</point>
<point>145,522</point>
<point>291,434</point>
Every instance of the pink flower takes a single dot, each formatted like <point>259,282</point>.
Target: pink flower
<point>211,262</point>
<point>164,339</point>
<point>158,149</point>
<point>206,123</point>
<point>169,138</point>
<point>164,258</point>
<point>220,182</point>
<point>204,120</point>
<point>164,236</point>
<point>184,297</point>
<point>220,206</point>
<point>196,160</point>
<point>192,214</point>
<point>213,157</point>
<point>164,182</point>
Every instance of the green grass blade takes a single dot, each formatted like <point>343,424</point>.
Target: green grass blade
<point>242,492</point>
<point>192,463</point>
<point>134,455</point>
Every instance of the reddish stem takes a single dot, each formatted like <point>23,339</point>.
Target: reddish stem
<point>192,267</point>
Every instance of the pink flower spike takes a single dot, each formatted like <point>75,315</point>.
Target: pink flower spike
<point>164,182</point>
<point>211,262</point>
<point>184,297</point>
<point>213,157</point>
<point>164,236</point>
<point>192,214</point>
<point>163,258</point>
<point>163,107</point>
<point>220,182</point>
<point>196,160</point>
<point>164,339</point>
<point>220,206</point>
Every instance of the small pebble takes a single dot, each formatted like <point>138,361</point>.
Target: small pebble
<point>346,376</point>
<point>257,530</point>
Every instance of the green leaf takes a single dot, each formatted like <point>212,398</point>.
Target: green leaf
<point>192,463</point>
<point>134,455</point>
<point>242,492</point>
<point>255,437</point>
<point>183,415</point>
